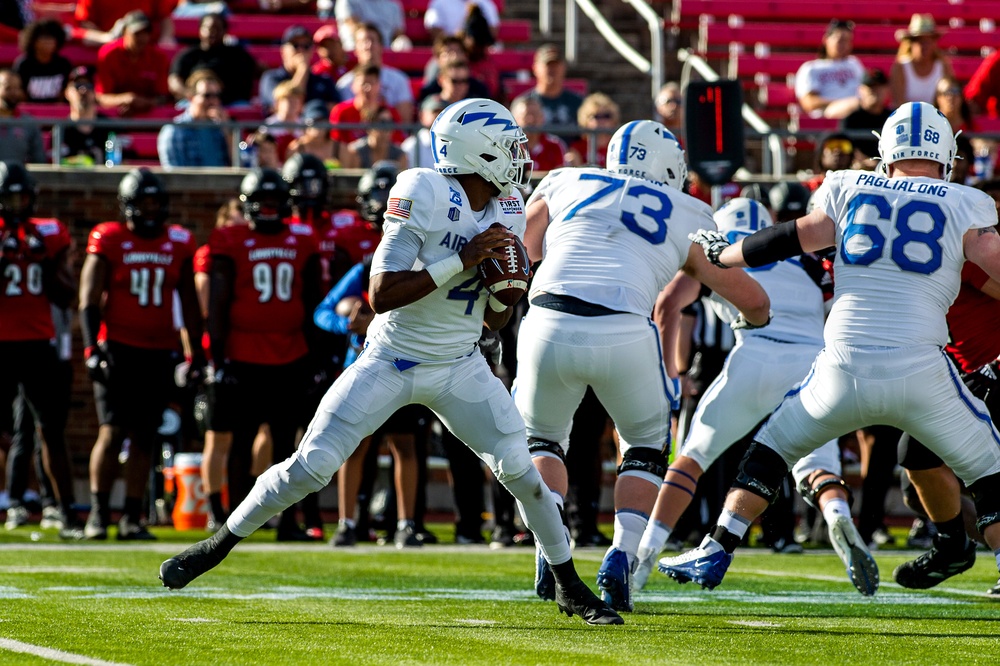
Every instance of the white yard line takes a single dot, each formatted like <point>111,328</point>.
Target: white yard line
<point>52,654</point>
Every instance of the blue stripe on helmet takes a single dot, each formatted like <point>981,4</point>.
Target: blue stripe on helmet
<point>754,221</point>
<point>915,125</point>
<point>626,139</point>
<point>434,148</point>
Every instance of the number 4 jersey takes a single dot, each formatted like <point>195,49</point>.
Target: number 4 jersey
<point>614,240</point>
<point>24,307</point>
<point>142,275</point>
<point>899,255</point>
<point>267,313</point>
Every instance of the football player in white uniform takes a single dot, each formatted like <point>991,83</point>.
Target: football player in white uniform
<point>422,345</point>
<point>763,366</point>
<point>901,236</point>
<point>609,241</point>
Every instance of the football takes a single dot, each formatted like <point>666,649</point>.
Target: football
<point>507,278</point>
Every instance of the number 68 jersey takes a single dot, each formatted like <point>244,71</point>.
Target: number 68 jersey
<point>899,255</point>
<point>142,275</point>
<point>614,240</point>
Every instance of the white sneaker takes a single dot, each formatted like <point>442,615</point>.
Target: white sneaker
<point>16,516</point>
<point>52,518</point>
<point>852,551</point>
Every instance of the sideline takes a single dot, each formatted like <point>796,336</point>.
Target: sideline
<point>53,654</point>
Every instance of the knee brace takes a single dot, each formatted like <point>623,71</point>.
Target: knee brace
<point>543,447</point>
<point>810,492</point>
<point>761,472</point>
<point>645,460</point>
<point>986,495</point>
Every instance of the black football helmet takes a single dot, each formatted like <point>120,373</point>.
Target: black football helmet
<point>17,193</point>
<point>265,198</point>
<point>373,190</point>
<point>307,183</point>
<point>143,201</point>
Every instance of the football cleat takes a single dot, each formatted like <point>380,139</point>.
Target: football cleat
<point>545,582</point>
<point>646,560</point>
<point>934,566</point>
<point>852,551</point>
<point>180,570</point>
<point>95,529</point>
<point>921,534</point>
<point>16,516</point>
<point>614,580</point>
<point>577,599</point>
<point>994,591</point>
<point>345,536</point>
<point>706,565</point>
<point>52,518</point>
<point>128,531</point>
<point>407,538</point>
<point>72,529</point>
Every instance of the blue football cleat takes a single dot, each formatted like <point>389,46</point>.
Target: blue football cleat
<point>705,565</point>
<point>853,552</point>
<point>545,582</point>
<point>614,580</point>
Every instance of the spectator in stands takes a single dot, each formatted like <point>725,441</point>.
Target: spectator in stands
<point>597,112</point>
<point>265,147</point>
<point>949,101</point>
<point>920,62</point>
<point>187,142</point>
<point>871,115</point>
<point>42,69</point>
<point>983,89</point>
<point>828,86</point>
<point>229,62</point>
<point>478,38</point>
<point>366,100</point>
<point>418,147</point>
<point>332,59</point>
<point>131,71</point>
<point>296,56</point>
<point>834,153</point>
<point>315,140</point>
<point>386,15</point>
<point>395,85</point>
<point>454,81</point>
<point>448,49</point>
<point>376,145</point>
<point>670,108</point>
<point>288,103</point>
<point>448,17</point>
<point>561,106</point>
<point>18,143</point>
<point>82,143</point>
<point>965,158</point>
<point>199,8</point>
<point>547,150</point>
<point>107,17</point>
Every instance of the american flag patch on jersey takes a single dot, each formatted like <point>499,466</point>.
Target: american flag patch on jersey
<point>399,208</point>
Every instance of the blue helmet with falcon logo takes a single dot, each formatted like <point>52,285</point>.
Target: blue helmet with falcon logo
<point>480,136</point>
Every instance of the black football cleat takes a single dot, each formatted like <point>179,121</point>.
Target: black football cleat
<point>934,567</point>
<point>577,599</point>
<point>180,570</point>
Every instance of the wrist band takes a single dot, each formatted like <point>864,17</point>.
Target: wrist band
<point>496,305</point>
<point>446,269</point>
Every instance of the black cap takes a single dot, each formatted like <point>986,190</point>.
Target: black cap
<point>874,77</point>
<point>294,32</point>
<point>838,24</point>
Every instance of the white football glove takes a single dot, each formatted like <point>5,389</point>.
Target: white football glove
<point>742,324</point>
<point>713,242</point>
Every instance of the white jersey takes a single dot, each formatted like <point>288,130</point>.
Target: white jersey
<point>899,255</point>
<point>796,302</point>
<point>446,323</point>
<point>614,240</point>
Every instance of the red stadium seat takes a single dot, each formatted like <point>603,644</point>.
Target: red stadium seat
<point>794,10</point>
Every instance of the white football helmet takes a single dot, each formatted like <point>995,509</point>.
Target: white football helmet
<point>743,215</point>
<point>647,149</point>
<point>480,136</point>
<point>916,130</point>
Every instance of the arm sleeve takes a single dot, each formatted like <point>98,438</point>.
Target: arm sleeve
<point>397,251</point>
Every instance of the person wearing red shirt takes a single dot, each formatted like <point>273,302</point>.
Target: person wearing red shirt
<point>35,273</point>
<point>332,60</point>
<point>367,91</point>
<point>935,491</point>
<point>127,284</point>
<point>100,18</point>
<point>983,89</point>
<point>132,72</point>
<point>547,150</point>
<point>264,279</point>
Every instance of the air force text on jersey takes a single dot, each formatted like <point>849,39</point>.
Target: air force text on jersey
<point>937,189</point>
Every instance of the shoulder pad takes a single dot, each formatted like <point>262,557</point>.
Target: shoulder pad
<point>300,229</point>
<point>47,227</point>
<point>178,234</point>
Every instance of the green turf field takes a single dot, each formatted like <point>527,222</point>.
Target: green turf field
<point>275,604</point>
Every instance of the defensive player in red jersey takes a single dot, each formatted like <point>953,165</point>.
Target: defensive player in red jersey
<point>973,346</point>
<point>127,285</point>
<point>34,273</point>
<point>264,279</point>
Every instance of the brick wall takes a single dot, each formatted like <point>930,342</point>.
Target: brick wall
<point>83,198</point>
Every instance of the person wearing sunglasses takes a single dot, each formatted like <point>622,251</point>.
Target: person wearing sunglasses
<point>598,112</point>
<point>670,108</point>
<point>834,153</point>
<point>296,58</point>
<point>949,101</point>
<point>82,144</point>
<point>187,141</point>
